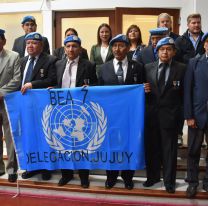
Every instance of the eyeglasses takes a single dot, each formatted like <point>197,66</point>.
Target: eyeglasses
<point>169,49</point>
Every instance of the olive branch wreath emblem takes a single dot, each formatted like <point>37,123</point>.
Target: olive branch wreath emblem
<point>93,145</point>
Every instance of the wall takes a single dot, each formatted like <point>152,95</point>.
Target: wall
<point>46,7</point>
<point>11,23</point>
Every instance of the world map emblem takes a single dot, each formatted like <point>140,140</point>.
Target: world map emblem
<point>74,126</point>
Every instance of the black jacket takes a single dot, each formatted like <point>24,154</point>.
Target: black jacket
<point>165,106</point>
<point>185,49</point>
<point>44,74</point>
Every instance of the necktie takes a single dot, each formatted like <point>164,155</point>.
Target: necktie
<point>120,73</point>
<point>161,80</point>
<point>70,72</point>
<point>28,75</point>
<point>67,76</point>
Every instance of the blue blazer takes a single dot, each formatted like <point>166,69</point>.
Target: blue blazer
<point>195,91</point>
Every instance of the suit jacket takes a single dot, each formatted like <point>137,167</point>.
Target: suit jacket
<point>44,73</point>
<point>165,105</point>
<point>134,74</point>
<point>146,56</point>
<point>60,53</point>
<point>19,46</point>
<point>10,76</point>
<point>95,56</point>
<point>85,70</point>
<point>195,91</point>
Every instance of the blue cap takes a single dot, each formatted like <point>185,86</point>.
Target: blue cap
<point>28,18</point>
<point>33,36</point>
<point>119,38</point>
<point>165,41</point>
<point>72,38</point>
<point>205,36</point>
<point>159,31</point>
<point>2,32</point>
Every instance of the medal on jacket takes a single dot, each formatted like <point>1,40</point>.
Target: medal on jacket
<point>41,72</point>
<point>176,83</point>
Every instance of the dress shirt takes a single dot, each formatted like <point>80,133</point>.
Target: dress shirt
<point>193,41</point>
<point>124,66</point>
<point>69,78</point>
<point>104,52</point>
<point>0,56</point>
<point>26,67</point>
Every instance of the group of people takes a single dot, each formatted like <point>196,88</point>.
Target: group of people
<point>172,68</point>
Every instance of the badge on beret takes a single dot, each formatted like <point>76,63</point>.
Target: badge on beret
<point>36,36</point>
<point>171,41</point>
<point>75,38</point>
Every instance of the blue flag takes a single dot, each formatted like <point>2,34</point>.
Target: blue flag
<point>78,128</point>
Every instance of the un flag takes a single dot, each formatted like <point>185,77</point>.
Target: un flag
<point>79,128</point>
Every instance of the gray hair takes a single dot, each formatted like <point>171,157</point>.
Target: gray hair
<point>164,15</point>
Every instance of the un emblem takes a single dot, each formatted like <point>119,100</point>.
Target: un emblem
<point>74,126</point>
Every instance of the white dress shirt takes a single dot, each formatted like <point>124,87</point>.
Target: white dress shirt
<point>70,73</point>
<point>104,52</point>
<point>26,67</point>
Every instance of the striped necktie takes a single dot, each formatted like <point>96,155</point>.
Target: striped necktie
<point>120,74</point>
<point>28,75</point>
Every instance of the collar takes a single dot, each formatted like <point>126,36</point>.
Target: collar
<point>1,52</point>
<point>160,62</point>
<point>36,57</point>
<point>124,61</point>
<point>73,60</point>
<point>190,34</point>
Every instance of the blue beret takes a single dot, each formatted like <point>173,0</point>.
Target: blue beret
<point>33,36</point>
<point>205,36</point>
<point>28,18</point>
<point>159,31</point>
<point>2,32</point>
<point>72,38</point>
<point>165,41</point>
<point>119,38</point>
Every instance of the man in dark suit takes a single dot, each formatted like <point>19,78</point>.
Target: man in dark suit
<point>196,115</point>
<point>38,71</point>
<point>188,46</point>
<point>163,104</point>
<point>60,52</point>
<point>120,71</point>
<point>74,71</point>
<point>29,25</point>
<point>149,54</point>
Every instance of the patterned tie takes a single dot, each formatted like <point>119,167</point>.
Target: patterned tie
<point>70,72</point>
<point>161,80</point>
<point>28,75</point>
<point>120,73</point>
<point>66,79</point>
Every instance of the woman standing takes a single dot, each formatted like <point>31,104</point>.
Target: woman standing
<point>135,38</point>
<point>102,52</point>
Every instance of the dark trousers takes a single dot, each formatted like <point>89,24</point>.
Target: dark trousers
<point>83,174</point>
<point>195,140</point>
<point>181,122</point>
<point>127,175</point>
<point>161,150</point>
